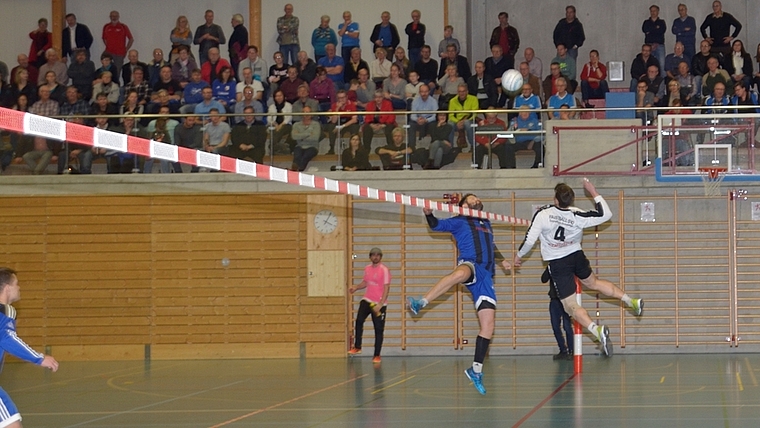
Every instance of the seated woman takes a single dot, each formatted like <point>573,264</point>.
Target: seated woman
<point>355,158</point>
<point>224,89</point>
<point>439,141</point>
<point>394,88</point>
<point>449,84</point>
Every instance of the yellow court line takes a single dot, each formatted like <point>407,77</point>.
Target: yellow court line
<point>739,380</point>
<point>405,373</point>
<point>751,372</point>
<point>662,380</point>
<point>392,385</point>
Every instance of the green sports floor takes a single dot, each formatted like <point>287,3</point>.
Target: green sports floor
<point>716,390</point>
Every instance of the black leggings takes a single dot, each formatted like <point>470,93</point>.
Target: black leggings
<point>377,321</point>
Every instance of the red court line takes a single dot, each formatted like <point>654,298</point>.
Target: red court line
<point>274,406</point>
<point>541,404</point>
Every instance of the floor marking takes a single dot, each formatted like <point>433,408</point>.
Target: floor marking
<point>157,404</point>
<point>292,400</point>
<point>662,380</point>
<point>111,382</point>
<point>541,404</point>
<point>751,372</point>
<point>739,380</point>
<point>404,374</point>
<point>392,385</point>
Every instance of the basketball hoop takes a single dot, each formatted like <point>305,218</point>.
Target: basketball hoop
<point>712,177</point>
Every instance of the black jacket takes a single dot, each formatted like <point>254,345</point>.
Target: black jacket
<point>488,84</point>
<point>82,37</point>
<point>395,38</point>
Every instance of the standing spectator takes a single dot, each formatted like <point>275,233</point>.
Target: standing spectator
<point>54,64</point>
<point>134,63</point>
<point>154,68</point>
<point>211,69</point>
<point>183,67</point>
<point>306,133</point>
<point>593,79</point>
<point>333,64</point>
<point>181,36</point>
<point>415,30</point>
<point>287,30</point>
<point>739,64</point>
<point>238,43</point>
<point>208,35</point>
<point>42,40</point>
<point>75,36</point>
<point>654,35</point>
<point>117,38</point>
<point>569,32</point>
<point>719,23</point>
<point>349,35</point>
<point>307,68</point>
<point>685,29</point>
<point>377,282</point>
<point>385,35</point>
<point>82,73</point>
<point>23,63</point>
<point>321,36</point>
<point>448,39</point>
<point>506,36</point>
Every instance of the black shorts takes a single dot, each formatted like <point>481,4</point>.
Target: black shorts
<point>563,272</point>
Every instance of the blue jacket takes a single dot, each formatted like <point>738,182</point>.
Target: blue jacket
<point>474,238</point>
<point>687,37</point>
<point>10,342</point>
<point>321,37</point>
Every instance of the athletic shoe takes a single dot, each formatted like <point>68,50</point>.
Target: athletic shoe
<point>477,380</point>
<point>562,355</point>
<point>638,306</point>
<point>376,359</point>
<point>604,339</point>
<point>570,356</point>
<point>354,351</point>
<point>414,305</point>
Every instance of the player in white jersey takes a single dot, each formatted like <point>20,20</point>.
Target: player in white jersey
<point>560,228</point>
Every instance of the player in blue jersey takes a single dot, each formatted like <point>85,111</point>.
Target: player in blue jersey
<point>475,269</point>
<point>9,342</point>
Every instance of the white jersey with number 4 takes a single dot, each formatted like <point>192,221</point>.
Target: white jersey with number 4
<point>561,229</point>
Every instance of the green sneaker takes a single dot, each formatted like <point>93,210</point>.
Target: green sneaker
<point>638,306</point>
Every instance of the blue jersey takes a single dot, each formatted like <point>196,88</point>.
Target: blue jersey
<point>11,343</point>
<point>474,239</point>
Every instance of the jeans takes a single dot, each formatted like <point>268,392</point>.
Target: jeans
<point>659,53</point>
<point>85,161</point>
<point>414,127</point>
<point>589,93</point>
<point>368,133</point>
<point>469,132</point>
<point>500,150</point>
<point>438,148</point>
<point>414,55</point>
<point>559,319</point>
<point>302,156</point>
<point>165,166</point>
<point>292,51</point>
<point>573,53</point>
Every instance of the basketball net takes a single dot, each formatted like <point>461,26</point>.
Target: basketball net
<point>712,177</point>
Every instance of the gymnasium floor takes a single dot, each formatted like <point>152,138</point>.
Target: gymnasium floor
<point>623,391</point>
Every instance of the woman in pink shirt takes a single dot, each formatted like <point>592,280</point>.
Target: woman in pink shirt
<point>377,281</point>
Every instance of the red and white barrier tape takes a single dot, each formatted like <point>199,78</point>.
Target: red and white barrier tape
<point>60,130</point>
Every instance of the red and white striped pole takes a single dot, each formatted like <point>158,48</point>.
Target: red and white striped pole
<point>577,334</point>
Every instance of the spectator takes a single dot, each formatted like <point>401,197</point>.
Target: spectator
<point>685,29</point>
<point>448,39</point>
<point>404,65</point>
<point>249,81</point>
<point>641,64</point>
<point>57,92</point>
<point>290,86</point>
<point>183,67</point>
<point>482,86</point>
<point>644,99</point>
<point>699,61</point>
<point>82,73</point>
<point>421,122</point>
<point>303,101</point>
<point>673,60</point>
<point>257,64</point>
<point>353,65</point>
<point>72,105</point>
<point>756,78</point>
<point>463,121</point>
<point>739,64</point>
<point>39,157</point>
<point>506,36</point>
<point>449,85</point>
<point>569,32</point>
<point>85,162</point>
<point>107,86</point>
<point>562,97</point>
<point>719,23</point>
<point>566,66</point>
<point>208,104</point>
<point>139,85</point>
<point>333,64</point>
<point>154,68</point>
<point>385,35</point>
<point>193,92</point>
<point>189,135</point>
<point>124,163</point>
<point>211,69</point>
<point>75,36</point>
<point>670,95</point>
<point>277,72</point>
<point>217,135</point>
<point>338,126</point>
<point>463,66</point>
<point>307,68</point>
<point>280,122</point>
<point>131,103</point>
<point>394,156</point>
<point>171,86</point>
<point>376,122</point>
<point>427,68</point>
<point>528,98</point>
<point>322,89</point>
<point>348,31</point>
<point>530,79</point>
<point>715,75</point>
<point>45,106</point>
<point>321,36</point>
<point>249,138</point>
<point>654,35</point>
<point>23,63</point>
<point>688,84</point>
<point>718,98</point>
<point>54,64</point>
<point>380,67</point>
<point>534,63</point>
<point>654,81</point>
<point>101,107</point>
<point>42,40</point>
<point>593,80</point>
<point>106,64</point>
<point>249,100</point>
<point>355,157</point>
<point>413,86</point>
<point>550,83</point>
<point>744,97</point>
<point>287,30</point>
<point>181,36</point>
<point>491,144</point>
<point>441,142</point>
<point>394,88</point>
<point>238,43</point>
<point>118,39</point>
<point>134,63</point>
<point>162,130</point>
<point>208,36</point>
<point>306,133</point>
<point>496,64</point>
<point>415,30</point>
<point>525,121</point>
<point>365,89</point>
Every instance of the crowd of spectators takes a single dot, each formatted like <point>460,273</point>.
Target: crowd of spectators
<point>333,77</point>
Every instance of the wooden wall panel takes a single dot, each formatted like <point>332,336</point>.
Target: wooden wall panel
<point>192,276</point>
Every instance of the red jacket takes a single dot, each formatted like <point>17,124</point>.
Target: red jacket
<point>387,119</point>
<point>40,41</point>
<point>587,72</point>
<point>485,140</point>
<point>206,69</point>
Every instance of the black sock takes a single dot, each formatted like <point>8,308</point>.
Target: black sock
<point>481,349</point>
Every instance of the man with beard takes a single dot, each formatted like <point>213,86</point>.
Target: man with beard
<point>475,269</point>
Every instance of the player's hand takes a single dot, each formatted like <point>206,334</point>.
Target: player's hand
<point>590,188</point>
<point>517,262</point>
<point>49,363</point>
<point>505,264</point>
<point>351,290</point>
<point>427,211</point>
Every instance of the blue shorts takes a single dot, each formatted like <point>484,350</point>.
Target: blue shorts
<point>480,284</point>
<point>8,411</point>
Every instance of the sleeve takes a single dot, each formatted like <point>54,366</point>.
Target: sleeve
<point>532,234</point>
<point>737,26</point>
<point>87,37</point>
<point>386,275</point>
<point>222,39</point>
<point>128,33</point>
<point>582,35</point>
<point>703,27</point>
<point>595,217</point>
<point>12,344</point>
<point>197,39</point>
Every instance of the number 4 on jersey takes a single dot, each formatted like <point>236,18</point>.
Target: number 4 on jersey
<point>559,235</point>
